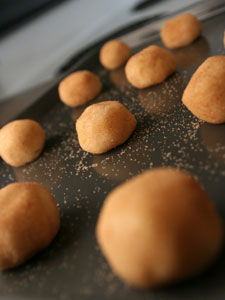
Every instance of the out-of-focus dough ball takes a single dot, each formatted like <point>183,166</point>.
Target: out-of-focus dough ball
<point>29,220</point>
<point>204,95</point>
<point>150,66</point>
<point>159,227</point>
<point>180,31</point>
<point>21,141</point>
<point>114,54</point>
<point>79,88</point>
<point>104,126</point>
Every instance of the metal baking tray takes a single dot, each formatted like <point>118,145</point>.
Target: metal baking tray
<point>167,134</point>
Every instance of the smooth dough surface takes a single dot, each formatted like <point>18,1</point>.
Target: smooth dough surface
<point>159,227</point>
<point>29,220</point>
<point>204,95</point>
<point>114,54</point>
<point>21,141</point>
<point>104,126</point>
<point>79,88</point>
<point>150,66</point>
<point>180,31</point>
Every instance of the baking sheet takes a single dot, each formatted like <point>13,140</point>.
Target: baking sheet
<point>166,135</point>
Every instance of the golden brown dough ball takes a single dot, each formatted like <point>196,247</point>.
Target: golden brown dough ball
<point>150,66</point>
<point>114,54</point>
<point>104,126</point>
<point>180,31</point>
<point>204,95</point>
<point>79,88</point>
<point>21,141</point>
<point>159,227</point>
<point>29,220</point>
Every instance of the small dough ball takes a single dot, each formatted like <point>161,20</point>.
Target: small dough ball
<point>79,88</point>
<point>104,126</point>
<point>180,31</point>
<point>159,227</point>
<point>150,66</point>
<point>204,95</point>
<point>21,141</point>
<point>114,54</point>
<point>29,220</point>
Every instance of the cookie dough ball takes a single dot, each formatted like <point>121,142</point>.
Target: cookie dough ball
<point>104,126</point>
<point>180,31</point>
<point>79,88</point>
<point>150,66</point>
<point>114,54</point>
<point>204,95</point>
<point>159,227</point>
<point>21,141</point>
<point>29,220</point>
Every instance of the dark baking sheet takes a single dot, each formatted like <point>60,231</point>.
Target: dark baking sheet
<point>166,135</point>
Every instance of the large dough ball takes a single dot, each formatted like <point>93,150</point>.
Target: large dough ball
<point>103,126</point>
<point>204,95</point>
<point>114,54</point>
<point>79,88</point>
<point>21,141</point>
<point>180,31</point>
<point>150,66</point>
<point>159,227</point>
<point>29,220</point>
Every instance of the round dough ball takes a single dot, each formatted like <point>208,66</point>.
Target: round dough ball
<point>150,66</point>
<point>104,126</point>
<point>29,220</point>
<point>180,31</point>
<point>204,95</point>
<point>79,88</point>
<point>114,54</point>
<point>21,141</point>
<point>159,227</point>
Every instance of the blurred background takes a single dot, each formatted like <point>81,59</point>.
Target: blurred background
<point>38,37</point>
